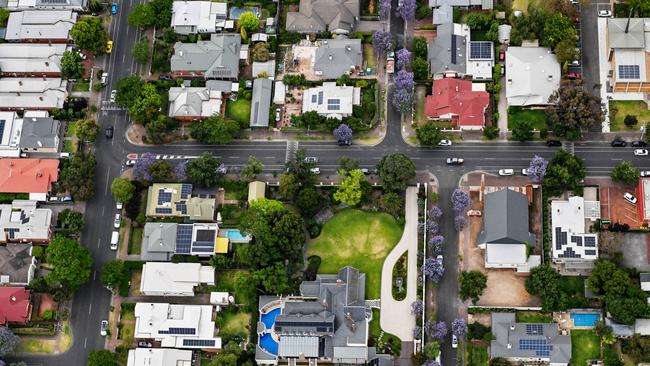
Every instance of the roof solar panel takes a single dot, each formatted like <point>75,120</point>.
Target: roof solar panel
<point>629,72</point>
<point>590,241</point>
<point>182,208</point>
<point>183,239</point>
<point>453,49</point>
<point>186,191</point>
<point>199,342</point>
<point>184,331</point>
<point>164,197</point>
<point>480,50</point>
<point>534,329</point>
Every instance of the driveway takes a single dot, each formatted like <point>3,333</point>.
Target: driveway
<point>395,316</point>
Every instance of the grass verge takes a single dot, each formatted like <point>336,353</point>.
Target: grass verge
<point>536,116</point>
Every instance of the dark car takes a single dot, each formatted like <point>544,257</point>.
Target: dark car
<point>145,344</point>
<point>553,143</point>
<point>344,142</point>
<point>639,143</point>
<point>109,132</point>
<point>618,142</point>
<point>164,77</point>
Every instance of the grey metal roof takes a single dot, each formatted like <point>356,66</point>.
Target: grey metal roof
<point>336,57</point>
<point>620,330</point>
<point>40,24</point>
<point>158,241</point>
<point>443,14</point>
<point>218,57</point>
<point>505,219</point>
<point>508,335</point>
<point>261,102</point>
<point>219,85</point>
<point>13,5</point>
<point>337,16</point>
<point>40,133</point>
<point>447,51</point>
<point>626,33</point>
<point>291,346</point>
<point>644,277</point>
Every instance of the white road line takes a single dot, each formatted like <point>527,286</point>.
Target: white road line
<point>85,342</point>
<point>108,177</point>
<point>99,243</point>
<point>95,275</point>
<point>90,308</point>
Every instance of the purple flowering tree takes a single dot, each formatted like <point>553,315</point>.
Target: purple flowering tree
<point>403,58</point>
<point>180,170</point>
<point>460,222</point>
<point>384,8</point>
<point>460,201</point>
<point>432,363</point>
<point>417,332</point>
<point>416,307</point>
<point>433,269</point>
<point>432,227</point>
<point>382,42</point>
<point>407,10</point>
<point>141,166</point>
<point>343,133</point>
<point>434,329</point>
<point>459,327</point>
<point>403,93</point>
<point>435,244</point>
<point>404,80</point>
<point>537,168</point>
<point>434,213</point>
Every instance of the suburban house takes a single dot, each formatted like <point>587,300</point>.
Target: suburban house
<point>480,60</point>
<point>453,53</point>
<point>328,322</point>
<point>532,75</point>
<point>643,192</point>
<point>159,356</point>
<point>192,17</point>
<point>17,265</point>
<point>640,327</point>
<point>40,132</point>
<point>573,246</point>
<point>264,69</point>
<point>628,52</point>
<point>261,102</point>
<point>314,16</point>
<point>74,5</point>
<point>331,101</point>
<point>33,176</point>
<point>337,57</point>
<point>217,58</point>
<point>528,342</point>
<point>443,11</point>
<point>31,59</point>
<point>176,326</point>
<point>644,278</point>
<point>194,103</point>
<point>19,94</point>
<point>10,131</point>
<point>22,222</point>
<point>460,101</point>
<point>161,240</point>
<point>505,236</point>
<point>174,279</point>
<point>45,26</point>
<point>15,305</point>
<point>175,200</point>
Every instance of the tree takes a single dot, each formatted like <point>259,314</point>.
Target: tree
<point>472,284</point>
<point>417,307</point>
<point>630,121</point>
<point>141,166</point>
<point>115,274</point>
<point>215,130</point>
<point>382,42</point>
<point>429,134</point>
<point>435,244</point>
<point>392,203</point>
<point>500,361</point>
<point>459,327</point>
<point>459,222</point>
<point>77,176</point>
<point>420,47</point>
<point>180,170</point>
<point>564,173</point>
<point>8,341</point>
<point>522,130</point>
<point>289,186</point>
<point>249,21</point>
<point>128,90</point>
<point>142,16</point>
<point>4,16</point>
<point>403,91</point>
<point>435,213</point>
<point>557,28</point>
<point>163,11</point>
<point>252,168</point>
<point>160,171</point>
<point>626,173</point>
<point>420,68</point>
<point>71,264</point>
<point>565,50</point>
<point>158,128</point>
<point>431,350</point>
<point>403,58</point>
<point>626,310</point>
<point>407,10</point>
<point>544,281</point>
<point>141,49</point>
<point>346,164</point>
<point>71,67</point>
<point>572,109</point>
<point>260,52</point>
<point>478,21</point>
<point>384,9</point>
<point>491,132</point>
<point>122,189</point>
<point>537,168</point>
<point>274,279</point>
<point>89,34</point>
<point>86,130</point>
<point>73,221</point>
<point>203,171</point>
<point>102,358</point>
<point>308,201</point>
<point>343,133</point>
<point>433,269</point>
<point>640,8</point>
<point>460,201</point>
<point>350,192</point>
<point>395,171</point>
<point>435,330</point>
<point>146,106</point>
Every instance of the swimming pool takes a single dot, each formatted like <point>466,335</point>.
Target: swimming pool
<point>269,318</point>
<point>235,236</point>
<point>585,319</point>
<point>269,344</point>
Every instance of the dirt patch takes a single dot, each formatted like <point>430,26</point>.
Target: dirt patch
<point>506,288</point>
<point>136,277</point>
<point>485,319</point>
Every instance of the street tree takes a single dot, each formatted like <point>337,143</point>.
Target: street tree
<point>141,166</point>
<point>472,285</point>
<point>459,222</point>
<point>537,168</point>
<point>571,110</point>
<point>346,164</point>
<point>382,42</point>
<point>435,244</point>
<point>403,59</point>
<point>72,221</point>
<point>86,130</point>
<point>403,100</point>
<point>435,213</point>
<point>71,264</point>
<point>350,191</point>
<point>146,106</point>
<point>407,9</point>
<point>384,9</point>
<point>71,67</point>
<point>249,21</point>
<point>77,176</point>
<point>417,307</point>
<point>89,34</point>
<point>626,173</point>
<point>564,173</point>
<point>435,329</point>
<point>141,50</point>
<point>122,189</point>
<point>433,269</point>
<point>395,171</point>
<point>429,134</point>
<point>115,275</point>
<point>420,68</point>
<point>459,327</point>
<point>203,171</point>
<point>142,16</point>
<point>160,171</point>
<point>163,11</point>
<point>460,201</point>
<point>522,130</point>
<point>8,341</point>
<point>128,90</point>
<point>102,357</point>
<point>431,351</point>
<point>180,170</point>
<point>252,168</point>
<point>215,130</point>
<point>343,133</point>
<point>565,50</point>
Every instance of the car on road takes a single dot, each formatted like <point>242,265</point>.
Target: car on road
<point>115,239</point>
<point>575,63</point>
<point>506,172</point>
<point>645,173</point>
<point>641,152</point>
<point>109,46</point>
<point>629,197</point>
<point>315,171</point>
<point>144,344</point>
<point>553,143</point>
<point>104,78</point>
<point>444,143</point>
<point>454,341</point>
<point>524,171</point>
<point>109,132</point>
<point>619,142</point>
<point>114,8</point>
<point>455,161</point>
<point>365,171</point>
<point>130,162</point>
<point>113,94</point>
<point>639,143</point>
<point>119,205</point>
<point>344,142</point>
<point>103,328</point>
<point>117,221</point>
<point>311,160</point>
<point>604,13</point>
<point>574,76</point>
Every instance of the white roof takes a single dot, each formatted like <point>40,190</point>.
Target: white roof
<point>40,24</point>
<point>532,75</point>
<point>642,327</point>
<point>174,278</point>
<point>267,67</point>
<point>194,102</point>
<point>200,14</point>
<point>645,192</point>
<point>505,254</point>
<point>568,231</point>
<point>279,93</point>
<point>159,357</point>
<point>32,93</point>
<point>10,132</point>
<point>28,222</point>
<point>36,58</point>
<point>323,99</point>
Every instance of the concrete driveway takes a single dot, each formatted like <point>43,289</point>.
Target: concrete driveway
<point>395,316</point>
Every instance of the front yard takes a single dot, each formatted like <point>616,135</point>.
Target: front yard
<point>585,345</point>
<point>636,108</point>
<point>536,116</point>
<point>477,355</point>
<point>239,110</point>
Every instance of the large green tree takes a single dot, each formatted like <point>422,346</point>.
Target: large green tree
<point>146,107</point>
<point>89,34</point>
<point>128,90</point>
<point>77,176</point>
<point>71,67</point>
<point>429,134</point>
<point>215,130</point>
<point>70,220</point>
<point>472,284</point>
<point>86,130</point>
<point>203,171</point>
<point>71,264</point>
<point>350,191</point>
<point>115,274</point>
<point>626,173</point>
<point>420,68</point>
<point>249,21</point>
<point>565,50</point>
<point>141,50</point>
<point>273,279</point>
<point>545,282</point>
<point>102,358</point>
<point>420,47</point>
<point>573,109</point>
<point>522,130</point>
<point>395,171</point>
<point>142,16</point>
<point>122,189</point>
<point>252,168</point>
<point>160,171</point>
<point>289,186</point>
<point>557,28</point>
<point>564,173</point>
<point>308,201</point>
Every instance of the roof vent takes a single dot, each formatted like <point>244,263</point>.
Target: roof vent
<point>509,346</point>
<point>348,48</point>
<point>33,119</point>
<point>512,327</point>
<point>330,57</point>
<point>13,299</point>
<point>550,77</point>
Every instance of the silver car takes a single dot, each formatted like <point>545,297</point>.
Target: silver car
<point>118,221</point>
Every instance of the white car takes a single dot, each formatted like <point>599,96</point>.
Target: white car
<point>113,94</point>
<point>130,162</point>
<point>604,13</point>
<point>315,171</point>
<point>115,240</point>
<point>444,143</point>
<point>506,172</point>
<point>104,79</point>
<point>645,173</point>
<point>629,197</point>
<point>117,221</point>
<point>311,160</point>
<point>439,258</point>
<point>524,171</point>
<point>454,341</point>
<point>641,152</point>
<point>103,328</point>
<point>119,205</point>
<point>455,161</point>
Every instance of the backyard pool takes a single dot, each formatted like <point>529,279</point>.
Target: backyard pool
<point>269,318</point>
<point>585,319</point>
<point>269,344</point>
<point>236,12</point>
<point>235,236</point>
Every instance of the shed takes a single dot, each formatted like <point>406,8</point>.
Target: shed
<point>256,190</point>
<point>279,93</point>
<point>222,245</point>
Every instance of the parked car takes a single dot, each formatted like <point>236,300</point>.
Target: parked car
<point>277,115</point>
<point>109,46</point>
<point>119,205</point>
<point>164,77</point>
<point>502,55</point>
<point>604,13</point>
<point>629,197</point>
<point>130,162</point>
<point>344,142</point>
<point>103,328</point>
<point>365,171</point>
<point>104,78</point>
<point>455,161</point>
<point>117,221</point>
<point>109,132</point>
<point>439,258</point>
<point>619,142</point>
<point>553,143</point>
<point>315,171</point>
<point>444,143</point>
<point>506,172</point>
<point>574,76</point>
<point>575,63</point>
<point>113,94</point>
<point>311,160</point>
<point>115,239</point>
<point>524,171</point>
<point>454,341</point>
<point>639,143</point>
<point>144,344</point>
<point>645,173</point>
<point>222,169</point>
<point>641,152</point>
<point>114,8</point>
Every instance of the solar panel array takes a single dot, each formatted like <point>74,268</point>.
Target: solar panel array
<point>160,210</point>
<point>534,329</point>
<point>628,72</point>
<point>183,239</point>
<point>538,345</point>
<point>577,240</point>
<point>186,191</point>
<point>453,50</point>
<point>2,128</point>
<point>182,208</point>
<point>199,342</point>
<point>569,253</point>
<point>480,50</point>
<point>202,246</point>
<point>164,197</point>
<point>590,241</point>
<point>333,104</point>
<point>183,331</point>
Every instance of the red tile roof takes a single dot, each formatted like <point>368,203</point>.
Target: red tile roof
<point>28,175</point>
<point>455,97</point>
<point>14,305</point>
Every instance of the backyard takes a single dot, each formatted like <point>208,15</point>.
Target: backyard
<point>533,317</point>
<point>477,355</point>
<point>234,323</point>
<point>536,116</point>
<point>585,345</point>
<point>239,110</point>
<point>369,57</point>
<point>360,239</point>
<point>636,108</point>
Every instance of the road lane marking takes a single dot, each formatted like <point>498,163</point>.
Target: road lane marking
<point>95,275</point>
<point>85,342</point>
<point>108,177</point>
<point>90,308</point>
<point>99,242</point>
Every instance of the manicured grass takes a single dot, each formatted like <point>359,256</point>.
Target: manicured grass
<point>239,110</point>
<point>34,345</point>
<point>636,108</point>
<point>375,332</point>
<point>235,323</point>
<point>476,355</point>
<point>359,239</point>
<point>585,345</point>
<point>82,86</point>
<point>369,56</point>
<point>533,317</point>
<point>536,116</point>
<point>135,240</point>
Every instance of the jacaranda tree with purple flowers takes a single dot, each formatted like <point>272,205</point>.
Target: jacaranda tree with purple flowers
<point>433,269</point>
<point>434,329</point>
<point>459,327</point>
<point>417,332</point>
<point>460,222</point>
<point>404,80</point>
<point>407,9</point>
<point>460,201</point>
<point>434,213</point>
<point>180,170</point>
<point>384,8</point>
<point>403,93</point>
<point>382,42</point>
<point>432,227</point>
<point>141,166</point>
<point>435,244</point>
<point>416,307</point>
<point>432,363</point>
<point>537,168</point>
<point>403,59</point>
<point>343,133</point>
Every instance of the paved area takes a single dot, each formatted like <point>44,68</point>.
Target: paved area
<point>395,316</point>
<point>636,251</point>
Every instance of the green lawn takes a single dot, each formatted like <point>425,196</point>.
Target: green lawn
<point>375,332</point>
<point>585,345</point>
<point>360,239</point>
<point>135,240</point>
<point>239,110</point>
<point>476,355</point>
<point>369,56</point>
<point>235,323</point>
<point>536,116</point>
<point>636,108</point>
<point>420,99</point>
<point>82,86</point>
<point>533,317</point>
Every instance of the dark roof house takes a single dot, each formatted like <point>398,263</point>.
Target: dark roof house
<point>336,57</point>
<point>217,58</point>
<point>40,134</point>
<point>447,52</point>
<point>336,16</point>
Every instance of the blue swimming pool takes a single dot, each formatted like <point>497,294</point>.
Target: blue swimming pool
<point>269,344</point>
<point>236,236</point>
<point>269,318</point>
<point>585,319</point>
